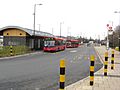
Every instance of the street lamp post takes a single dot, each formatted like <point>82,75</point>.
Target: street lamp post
<point>34,15</point>
<point>52,30</point>
<point>60,28</point>
<point>34,22</point>
<point>39,26</point>
<point>119,27</point>
<point>68,32</point>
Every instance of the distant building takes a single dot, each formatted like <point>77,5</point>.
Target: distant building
<point>91,42</point>
<point>14,35</point>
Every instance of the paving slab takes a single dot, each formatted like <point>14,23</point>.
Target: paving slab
<point>101,82</point>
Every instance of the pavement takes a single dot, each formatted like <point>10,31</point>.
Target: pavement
<point>101,82</point>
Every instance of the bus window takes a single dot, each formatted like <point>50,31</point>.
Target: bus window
<point>49,43</point>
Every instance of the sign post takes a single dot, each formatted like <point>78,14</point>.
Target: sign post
<point>107,37</point>
<point>109,32</point>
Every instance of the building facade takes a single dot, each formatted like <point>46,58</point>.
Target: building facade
<point>18,36</point>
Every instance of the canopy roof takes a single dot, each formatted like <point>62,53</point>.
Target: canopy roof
<point>29,31</point>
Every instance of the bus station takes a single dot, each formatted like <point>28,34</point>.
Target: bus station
<point>19,36</point>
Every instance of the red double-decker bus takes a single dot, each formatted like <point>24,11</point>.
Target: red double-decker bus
<point>54,44</point>
<point>72,43</point>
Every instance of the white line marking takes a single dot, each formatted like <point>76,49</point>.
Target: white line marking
<point>37,89</point>
<point>73,51</point>
<point>79,57</point>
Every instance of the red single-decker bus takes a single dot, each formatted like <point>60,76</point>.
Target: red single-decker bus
<point>54,44</point>
<point>72,43</point>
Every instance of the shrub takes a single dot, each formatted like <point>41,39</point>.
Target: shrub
<point>17,50</point>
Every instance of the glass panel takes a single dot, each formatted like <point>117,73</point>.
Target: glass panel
<point>49,43</point>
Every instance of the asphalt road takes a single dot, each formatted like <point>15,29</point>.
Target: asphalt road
<point>41,71</point>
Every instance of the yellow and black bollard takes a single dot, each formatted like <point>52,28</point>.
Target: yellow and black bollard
<point>62,75</point>
<point>11,51</point>
<point>92,58</point>
<point>112,60</point>
<point>106,64</point>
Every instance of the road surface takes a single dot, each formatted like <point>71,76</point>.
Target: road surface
<point>41,71</point>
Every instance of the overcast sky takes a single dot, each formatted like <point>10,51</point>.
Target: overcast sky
<point>78,17</point>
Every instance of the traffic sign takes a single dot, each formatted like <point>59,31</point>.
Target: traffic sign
<point>107,25</point>
<point>110,32</point>
<point>110,28</point>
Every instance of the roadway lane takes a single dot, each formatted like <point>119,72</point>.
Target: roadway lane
<point>41,71</point>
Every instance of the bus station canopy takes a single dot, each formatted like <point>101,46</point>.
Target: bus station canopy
<point>29,31</point>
